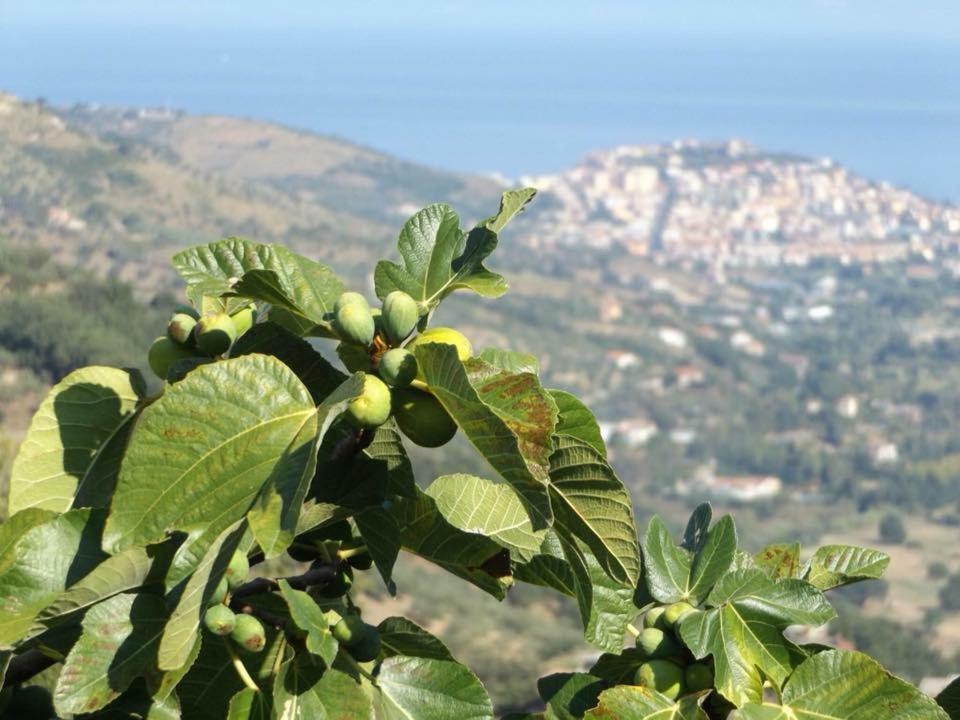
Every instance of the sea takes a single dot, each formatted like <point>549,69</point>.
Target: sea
<point>519,103</point>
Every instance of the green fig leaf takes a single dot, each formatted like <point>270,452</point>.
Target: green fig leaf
<point>438,257</point>
<point>425,532</point>
<point>308,616</point>
<point>118,644</point>
<point>569,695</point>
<point>510,360</point>
<point>305,690</point>
<point>416,688</point>
<point>512,203</point>
<point>13,528</point>
<point>577,421</point>
<point>400,636</point>
<point>698,528</point>
<point>116,574</point>
<point>210,270</point>
<point>606,605</point>
<point>304,290</point>
<point>479,506</point>
<point>592,505</point>
<point>675,574</point>
<point>835,565</point>
<point>318,376</point>
<point>743,630</point>
<point>842,685</point>
<point>632,702</point>
<point>46,560</point>
<point>250,704</point>
<point>273,518</point>
<point>73,448</point>
<point>202,453</point>
<point>137,702</point>
<point>381,534</point>
<point>549,568</point>
<point>508,417</point>
<point>780,560</point>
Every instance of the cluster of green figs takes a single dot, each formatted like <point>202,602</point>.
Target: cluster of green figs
<point>246,630</point>
<point>191,335</point>
<point>333,546</point>
<point>668,666</point>
<point>378,342</point>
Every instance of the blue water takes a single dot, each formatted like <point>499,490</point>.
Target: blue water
<point>520,103</point>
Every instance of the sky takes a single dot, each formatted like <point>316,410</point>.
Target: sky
<point>869,20</point>
<point>524,86</point>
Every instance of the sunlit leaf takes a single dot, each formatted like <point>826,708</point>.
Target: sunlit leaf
<point>743,630</point>
<point>631,702</point>
<point>840,685</point>
<point>76,441</point>
<point>482,507</point>
<point>203,452</point>
<point>415,688</point>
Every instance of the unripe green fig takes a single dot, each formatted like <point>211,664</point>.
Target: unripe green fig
<point>422,418</point>
<point>398,367</point>
<point>301,553</point>
<point>244,318</point>
<point>180,328</point>
<point>349,630</point>
<point>400,316</point>
<point>237,570</point>
<point>163,353</point>
<point>340,585</point>
<point>354,324</point>
<point>372,407</point>
<point>368,649</point>
<point>447,336</point>
<point>677,612</point>
<point>350,298</point>
<point>697,677</point>
<point>655,644</point>
<point>663,676</point>
<point>214,333</point>
<point>219,619</point>
<point>654,618</point>
<point>187,310</point>
<point>362,561</point>
<point>248,633</point>
<point>219,593</point>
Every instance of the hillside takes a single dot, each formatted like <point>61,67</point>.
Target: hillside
<point>795,360</point>
<point>117,192</point>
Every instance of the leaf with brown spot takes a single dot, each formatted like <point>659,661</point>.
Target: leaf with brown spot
<point>118,644</point>
<point>508,417</point>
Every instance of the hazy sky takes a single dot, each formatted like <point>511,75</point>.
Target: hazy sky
<point>935,20</point>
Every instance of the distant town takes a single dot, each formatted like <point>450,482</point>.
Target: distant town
<point>733,204</point>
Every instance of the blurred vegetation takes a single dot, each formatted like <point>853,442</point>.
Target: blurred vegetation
<point>897,648</point>
<point>53,320</point>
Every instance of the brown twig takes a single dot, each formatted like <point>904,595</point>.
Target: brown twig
<point>319,575</point>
